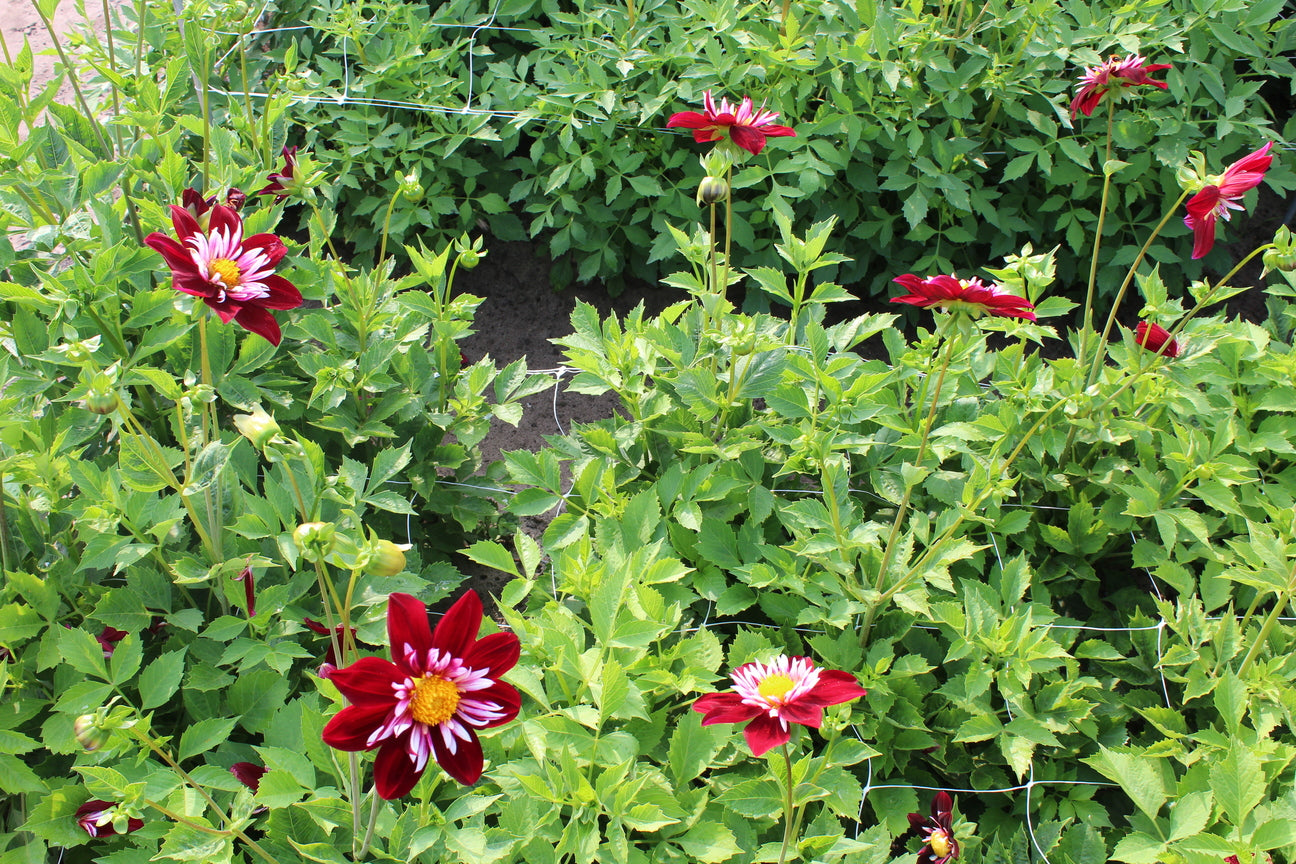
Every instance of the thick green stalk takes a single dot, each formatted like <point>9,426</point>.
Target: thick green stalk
<point>1097,244</point>
<point>789,806</point>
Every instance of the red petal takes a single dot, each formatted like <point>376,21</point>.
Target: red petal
<point>368,681</point>
<point>457,630</point>
<point>465,764</point>
<point>223,217</point>
<point>351,728</point>
<point>724,708</point>
<point>249,774</point>
<point>283,294</point>
<point>748,138</point>
<point>496,653</point>
<point>184,223</point>
<point>834,688</point>
<point>765,733</point>
<point>271,245</point>
<point>772,130</point>
<point>688,120</point>
<point>394,772</point>
<point>258,321</point>
<point>176,256</point>
<point>502,694</point>
<point>804,712</point>
<point>407,625</point>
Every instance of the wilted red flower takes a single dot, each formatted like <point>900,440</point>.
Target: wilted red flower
<point>771,695</point>
<point>96,817</point>
<point>937,831</point>
<point>281,182</point>
<point>249,589</point>
<point>966,295</point>
<point>331,658</point>
<point>108,638</point>
<point>249,774</point>
<point>1156,338</point>
<point>1216,200</point>
<point>745,125</point>
<point>1097,80</point>
<point>428,702</point>
<point>232,274</point>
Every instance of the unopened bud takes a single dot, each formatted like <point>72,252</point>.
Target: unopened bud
<point>1283,254</point>
<point>89,733</point>
<point>258,427</point>
<point>711,190</point>
<point>102,397</point>
<point>386,559</point>
<point>314,540</point>
<point>470,253</point>
<point>410,188</point>
<point>235,199</point>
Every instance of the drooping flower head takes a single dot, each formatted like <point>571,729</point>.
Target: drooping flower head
<point>1114,74</point>
<point>937,831</point>
<point>1218,198</point>
<point>232,274</point>
<point>440,687</point>
<point>283,183</point>
<point>743,124</point>
<point>1156,338</point>
<point>249,774</point>
<point>963,295</point>
<point>772,695</point>
<point>97,818</point>
<point>108,638</point>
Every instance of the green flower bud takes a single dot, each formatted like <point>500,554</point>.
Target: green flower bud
<point>99,401</point>
<point>410,188</point>
<point>89,732</point>
<point>1283,254</point>
<point>469,253</point>
<point>711,190</point>
<point>258,427</point>
<point>385,559</point>
<point>314,540</point>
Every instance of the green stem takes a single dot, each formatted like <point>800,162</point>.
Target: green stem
<point>373,821</point>
<point>4,529</point>
<point>211,493</point>
<point>789,806</point>
<point>1099,353</point>
<point>72,78</point>
<point>1280,603</point>
<point>382,247</point>
<point>328,238</point>
<point>1093,261</point>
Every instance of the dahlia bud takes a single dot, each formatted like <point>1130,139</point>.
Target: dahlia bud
<point>89,732</point>
<point>1192,176</point>
<point>1283,254</point>
<point>711,190</point>
<point>385,559</point>
<point>258,427</point>
<point>314,540</point>
<point>410,188</point>
<point>470,254</point>
<point>235,198</point>
<point>102,397</point>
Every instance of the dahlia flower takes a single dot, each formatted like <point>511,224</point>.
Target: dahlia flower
<point>1097,80</point>
<point>772,695</point>
<point>282,183</point>
<point>440,687</point>
<point>744,124</point>
<point>249,774</point>
<point>937,831</point>
<point>1217,199</point>
<point>1156,338</point>
<point>963,295</point>
<point>232,274</point>
<point>96,817</point>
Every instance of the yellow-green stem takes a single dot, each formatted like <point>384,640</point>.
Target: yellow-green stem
<point>789,806</point>
<point>1280,603</point>
<point>1097,243</point>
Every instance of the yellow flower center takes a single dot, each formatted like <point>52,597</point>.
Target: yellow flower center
<point>775,687</point>
<point>225,270</point>
<point>940,842</point>
<point>435,700</point>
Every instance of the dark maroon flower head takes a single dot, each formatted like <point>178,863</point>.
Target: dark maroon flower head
<point>281,181</point>
<point>937,831</point>
<point>1217,200</point>
<point>108,638</point>
<point>234,275</point>
<point>428,702</point>
<point>249,774</point>
<point>331,658</point>
<point>235,198</point>
<point>249,589</point>
<point>96,818</point>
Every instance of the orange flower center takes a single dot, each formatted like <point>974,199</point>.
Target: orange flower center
<point>225,270</point>
<point>940,842</point>
<point>435,700</point>
<point>775,687</point>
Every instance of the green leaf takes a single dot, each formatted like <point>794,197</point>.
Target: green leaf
<point>204,735</point>
<point>1238,782</point>
<point>491,554</point>
<point>185,842</point>
<point>126,659</point>
<point>161,679</point>
<point>1139,776</point>
<point>82,652</point>
<point>709,842</point>
<point>693,747</point>
<point>53,819</point>
<point>207,467</point>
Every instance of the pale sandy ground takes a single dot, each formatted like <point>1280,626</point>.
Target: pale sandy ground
<point>19,21</point>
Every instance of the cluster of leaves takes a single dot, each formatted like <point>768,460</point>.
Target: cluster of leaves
<point>939,134</point>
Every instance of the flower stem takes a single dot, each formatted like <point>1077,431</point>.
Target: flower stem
<point>328,238</point>
<point>1093,261</point>
<point>1280,603</point>
<point>1120,295</point>
<point>373,821</point>
<point>382,247</point>
<point>789,806</point>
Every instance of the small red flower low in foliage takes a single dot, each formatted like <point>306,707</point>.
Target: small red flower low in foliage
<point>282,182</point>
<point>1156,338</point>
<point>769,696</point>
<point>743,124</point>
<point>937,831</point>
<point>1217,199</point>
<point>1115,73</point>
<point>249,774</point>
<point>331,658</point>
<point>232,274</point>
<point>96,817</point>
<point>963,295</point>
<point>427,703</point>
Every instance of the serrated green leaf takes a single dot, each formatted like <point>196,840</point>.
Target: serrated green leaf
<point>161,679</point>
